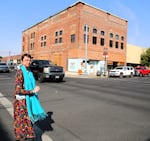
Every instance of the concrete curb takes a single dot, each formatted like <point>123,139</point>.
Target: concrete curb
<point>76,75</point>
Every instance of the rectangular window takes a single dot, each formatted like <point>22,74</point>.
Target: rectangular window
<point>102,42</point>
<point>117,37</point>
<point>32,35</point>
<point>95,31</point>
<point>44,37</point>
<point>73,37</point>
<point>60,40</point>
<point>122,38</point>
<point>86,28</point>
<point>111,43</point>
<point>60,32</point>
<point>43,41</point>
<point>94,40</point>
<point>32,46</point>
<point>41,44</point>
<point>56,33</point>
<point>122,46</point>
<point>116,44</point>
<point>58,36</point>
<point>102,33</point>
<point>111,35</point>
<point>56,41</point>
<point>44,44</point>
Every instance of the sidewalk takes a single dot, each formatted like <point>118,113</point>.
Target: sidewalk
<point>76,75</point>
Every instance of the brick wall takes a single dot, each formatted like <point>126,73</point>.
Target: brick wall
<point>72,21</point>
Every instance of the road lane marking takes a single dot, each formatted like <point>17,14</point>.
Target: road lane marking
<point>5,78</point>
<point>7,104</point>
<point>9,107</point>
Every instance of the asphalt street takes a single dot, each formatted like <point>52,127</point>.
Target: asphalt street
<point>85,109</point>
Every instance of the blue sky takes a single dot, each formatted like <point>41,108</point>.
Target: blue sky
<point>18,15</point>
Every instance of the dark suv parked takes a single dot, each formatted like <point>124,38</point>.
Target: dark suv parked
<point>45,70</point>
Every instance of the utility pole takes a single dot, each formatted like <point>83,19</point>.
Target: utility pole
<point>105,55</point>
<point>9,57</point>
<point>86,47</point>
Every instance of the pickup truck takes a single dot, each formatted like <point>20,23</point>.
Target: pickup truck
<point>46,70</point>
<point>142,71</point>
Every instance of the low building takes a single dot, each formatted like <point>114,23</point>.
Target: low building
<point>134,54</point>
<point>12,59</point>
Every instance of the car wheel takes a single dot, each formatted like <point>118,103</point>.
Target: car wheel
<point>121,75</point>
<point>131,75</point>
<point>41,78</point>
<point>140,74</point>
<point>61,79</point>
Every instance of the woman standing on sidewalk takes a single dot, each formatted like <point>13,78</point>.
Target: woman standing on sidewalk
<point>27,108</point>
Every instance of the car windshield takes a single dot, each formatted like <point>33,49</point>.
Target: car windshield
<point>139,68</point>
<point>118,68</point>
<point>44,62</point>
<point>3,64</point>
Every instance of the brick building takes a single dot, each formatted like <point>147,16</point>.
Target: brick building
<point>81,37</point>
<point>12,59</point>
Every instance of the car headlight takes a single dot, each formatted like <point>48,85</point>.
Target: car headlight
<point>46,70</point>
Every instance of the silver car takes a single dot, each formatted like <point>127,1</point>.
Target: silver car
<point>4,67</point>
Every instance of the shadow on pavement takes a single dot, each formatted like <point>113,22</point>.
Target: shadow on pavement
<point>4,133</point>
<point>46,124</point>
<point>6,125</point>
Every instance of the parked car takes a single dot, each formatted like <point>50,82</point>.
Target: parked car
<point>46,70</point>
<point>122,71</point>
<point>16,67</point>
<point>142,71</point>
<point>4,67</point>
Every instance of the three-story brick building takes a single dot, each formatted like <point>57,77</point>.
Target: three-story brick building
<point>81,37</point>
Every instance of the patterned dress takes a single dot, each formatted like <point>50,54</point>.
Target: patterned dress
<point>22,125</point>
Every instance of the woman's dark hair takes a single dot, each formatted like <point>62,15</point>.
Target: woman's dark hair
<point>27,55</point>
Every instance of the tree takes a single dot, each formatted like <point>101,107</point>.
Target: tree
<point>0,58</point>
<point>145,58</point>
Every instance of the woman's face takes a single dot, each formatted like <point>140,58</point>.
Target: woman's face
<point>26,61</point>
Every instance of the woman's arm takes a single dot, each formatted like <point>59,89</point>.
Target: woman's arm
<point>19,84</point>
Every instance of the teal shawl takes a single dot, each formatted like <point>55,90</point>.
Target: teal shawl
<point>35,110</point>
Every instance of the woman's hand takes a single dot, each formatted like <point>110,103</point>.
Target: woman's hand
<point>36,89</point>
